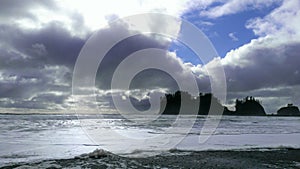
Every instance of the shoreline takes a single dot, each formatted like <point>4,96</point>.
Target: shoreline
<point>279,158</point>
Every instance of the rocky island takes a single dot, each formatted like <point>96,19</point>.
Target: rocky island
<point>289,110</point>
<point>249,106</point>
<point>246,107</point>
<point>170,104</point>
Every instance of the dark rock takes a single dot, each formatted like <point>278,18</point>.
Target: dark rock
<point>97,154</point>
<point>289,110</point>
<point>208,104</point>
<point>249,107</point>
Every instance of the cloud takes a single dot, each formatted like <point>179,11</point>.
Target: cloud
<point>45,101</point>
<point>13,10</point>
<point>36,64</point>
<point>236,6</point>
<point>99,11</point>
<point>39,49</point>
<point>232,36</point>
<point>282,21</point>
<point>51,45</point>
<point>80,18</point>
<point>254,65</point>
<point>36,61</point>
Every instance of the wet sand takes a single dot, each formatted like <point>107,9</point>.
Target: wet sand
<point>284,158</point>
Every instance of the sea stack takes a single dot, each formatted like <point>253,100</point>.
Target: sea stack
<point>249,107</point>
<point>289,110</point>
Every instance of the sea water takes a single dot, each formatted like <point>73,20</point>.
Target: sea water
<point>29,138</point>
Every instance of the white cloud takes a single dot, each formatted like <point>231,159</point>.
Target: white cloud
<point>282,22</point>
<point>6,78</point>
<point>233,36</point>
<point>235,6</point>
<point>80,17</point>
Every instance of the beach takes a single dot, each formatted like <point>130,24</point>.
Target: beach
<point>280,158</point>
<point>60,141</point>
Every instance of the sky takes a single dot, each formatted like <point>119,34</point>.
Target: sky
<point>258,44</point>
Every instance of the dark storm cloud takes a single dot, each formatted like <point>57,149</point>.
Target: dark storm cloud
<point>50,45</point>
<point>122,50</point>
<point>46,55</point>
<point>267,67</point>
<point>22,85</point>
<point>34,62</point>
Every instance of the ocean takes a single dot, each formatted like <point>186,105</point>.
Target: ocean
<point>38,139</point>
